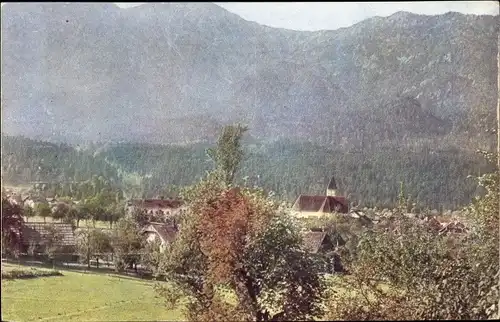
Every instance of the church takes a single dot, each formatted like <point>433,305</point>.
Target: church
<point>316,206</point>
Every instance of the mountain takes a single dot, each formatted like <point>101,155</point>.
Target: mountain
<point>171,73</point>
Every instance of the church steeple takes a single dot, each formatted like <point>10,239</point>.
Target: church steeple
<point>331,189</point>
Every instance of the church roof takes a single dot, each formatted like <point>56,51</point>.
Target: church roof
<point>309,203</point>
<point>326,204</point>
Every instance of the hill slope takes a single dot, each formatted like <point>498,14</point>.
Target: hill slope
<point>433,178</point>
<point>175,72</point>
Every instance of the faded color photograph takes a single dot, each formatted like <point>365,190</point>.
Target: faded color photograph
<point>238,161</point>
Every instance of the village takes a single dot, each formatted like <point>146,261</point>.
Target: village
<point>218,236</point>
<point>160,218</point>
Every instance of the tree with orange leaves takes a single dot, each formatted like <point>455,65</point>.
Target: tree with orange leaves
<point>240,241</point>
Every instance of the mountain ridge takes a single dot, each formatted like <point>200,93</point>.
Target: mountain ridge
<point>102,73</point>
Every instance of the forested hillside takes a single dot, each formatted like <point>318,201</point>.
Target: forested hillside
<point>433,179</point>
<point>25,160</point>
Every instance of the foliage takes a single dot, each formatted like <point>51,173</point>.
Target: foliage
<point>114,212</point>
<point>242,241</point>
<point>151,257</point>
<point>404,201</point>
<point>142,218</point>
<point>60,211</point>
<point>350,229</point>
<point>28,212</point>
<point>434,177</point>
<point>92,242</point>
<point>82,212</point>
<point>25,160</point>
<point>484,215</point>
<point>228,153</point>
<point>52,241</point>
<point>95,207</point>
<point>17,273</point>
<point>73,216</point>
<point>484,209</point>
<point>429,276</point>
<point>12,223</point>
<point>126,242</point>
<point>43,210</point>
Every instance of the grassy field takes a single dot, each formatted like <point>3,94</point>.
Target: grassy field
<point>78,296</point>
<point>82,297</point>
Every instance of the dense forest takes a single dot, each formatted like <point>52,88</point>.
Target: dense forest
<point>25,160</point>
<point>433,178</point>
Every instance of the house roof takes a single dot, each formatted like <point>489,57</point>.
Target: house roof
<point>334,202</point>
<point>332,185</point>
<point>36,232</point>
<point>455,227</point>
<point>107,231</point>
<point>156,203</point>
<point>327,204</point>
<point>313,240</point>
<point>166,232</point>
<point>365,220</point>
<point>433,223</point>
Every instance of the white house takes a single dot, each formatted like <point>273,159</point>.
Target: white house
<point>164,233</point>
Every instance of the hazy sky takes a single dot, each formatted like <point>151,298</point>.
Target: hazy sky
<point>333,15</point>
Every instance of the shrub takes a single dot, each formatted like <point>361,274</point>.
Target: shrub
<point>24,273</point>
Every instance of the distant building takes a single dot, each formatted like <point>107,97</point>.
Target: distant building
<point>35,236</point>
<point>319,241</point>
<point>322,244</point>
<point>363,219</point>
<point>165,207</point>
<point>40,185</point>
<point>309,206</point>
<point>164,233</point>
<point>445,226</point>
